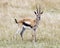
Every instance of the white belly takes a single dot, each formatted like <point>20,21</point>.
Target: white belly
<point>27,27</point>
<point>27,22</point>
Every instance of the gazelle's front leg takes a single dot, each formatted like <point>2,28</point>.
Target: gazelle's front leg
<point>21,33</point>
<point>34,35</point>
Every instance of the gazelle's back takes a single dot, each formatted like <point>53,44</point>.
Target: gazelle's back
<point>28,21</point>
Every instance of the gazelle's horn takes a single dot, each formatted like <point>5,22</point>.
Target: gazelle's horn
<point>36,8</point>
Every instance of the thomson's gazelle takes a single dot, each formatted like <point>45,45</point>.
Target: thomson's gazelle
<point>30,23</point>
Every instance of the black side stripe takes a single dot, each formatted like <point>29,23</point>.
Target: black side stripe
<point>27,24</point>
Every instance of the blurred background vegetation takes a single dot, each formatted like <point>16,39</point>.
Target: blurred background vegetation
<point>48,32</point>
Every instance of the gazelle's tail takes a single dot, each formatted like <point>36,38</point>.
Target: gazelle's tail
<point>16,21</point>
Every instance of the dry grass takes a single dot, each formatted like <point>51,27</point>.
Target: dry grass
<point>48,32</point>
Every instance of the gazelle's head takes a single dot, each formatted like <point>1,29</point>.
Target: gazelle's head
<point>38,12</point>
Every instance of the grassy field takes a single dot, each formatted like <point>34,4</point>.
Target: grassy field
<point>48,31</point>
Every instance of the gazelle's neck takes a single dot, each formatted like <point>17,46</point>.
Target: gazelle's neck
<point>37,21</point>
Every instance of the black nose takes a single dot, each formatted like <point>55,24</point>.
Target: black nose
<point>39,18</point>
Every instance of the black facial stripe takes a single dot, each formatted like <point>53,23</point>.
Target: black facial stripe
<point>27,24</point>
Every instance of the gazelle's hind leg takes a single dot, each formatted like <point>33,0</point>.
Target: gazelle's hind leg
<point>21,33</point>
<point>16,32</point>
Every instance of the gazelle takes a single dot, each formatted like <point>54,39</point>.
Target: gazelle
<point>28,23</point>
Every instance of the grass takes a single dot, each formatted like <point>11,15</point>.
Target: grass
<point>45,39</point>
<point>41,43</point>
<point>48,32</point>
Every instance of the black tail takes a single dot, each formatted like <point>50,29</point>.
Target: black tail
<point>16,21</point>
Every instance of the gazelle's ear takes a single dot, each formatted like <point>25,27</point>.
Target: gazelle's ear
<point>35,12</point>
<point>41,12</point>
